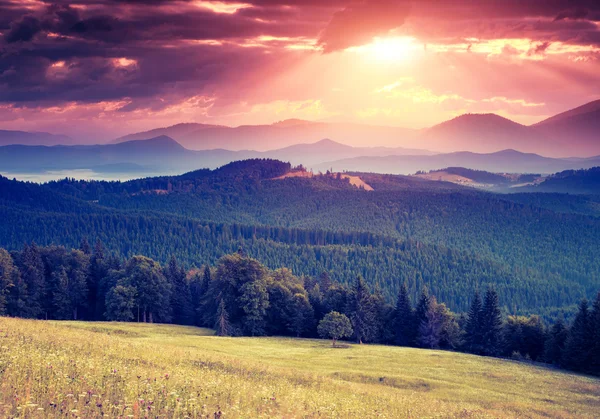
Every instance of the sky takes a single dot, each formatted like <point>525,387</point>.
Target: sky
<point>99,69</point>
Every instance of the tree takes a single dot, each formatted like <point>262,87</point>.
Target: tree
<point>491,321</point>
<point>98,270</point>
<point>524,336</point>
<point>474,326</point>
<point>85,247</point>
<point>7,275</point>
<point>439,329</point>
<point>254,300</point>
<point>420,314</point>
<point>120,303</point>
<point>360,310</point>
<point>595,336</point>
<point>335,326</point>
<point>302,314</point>
<point>60,295</point>
<point>578,345</point>
<point>222,326</point>
<point>181,296</point>
<point>554,346</point>
<point>31,267</point>
<point>403,319</point>
<point>153,291</point>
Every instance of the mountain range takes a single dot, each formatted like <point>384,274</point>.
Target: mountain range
<point>575,132</point>
<point>33,138</point>
<point>165,155</point>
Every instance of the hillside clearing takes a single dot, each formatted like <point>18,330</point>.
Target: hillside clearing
<point>53,369</point>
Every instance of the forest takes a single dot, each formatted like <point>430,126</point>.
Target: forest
<point>239,296</point>
<point>451,239</point>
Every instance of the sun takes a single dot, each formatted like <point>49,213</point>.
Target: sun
<point>388,49</point>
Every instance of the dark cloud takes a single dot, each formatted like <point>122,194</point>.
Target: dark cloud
<point>169,40</point>
<point>361,21</point>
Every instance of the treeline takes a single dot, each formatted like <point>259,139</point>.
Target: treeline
<point>452,275</point>
<point>240,296</point>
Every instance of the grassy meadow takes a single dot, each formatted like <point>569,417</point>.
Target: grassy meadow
<point>93,370</point>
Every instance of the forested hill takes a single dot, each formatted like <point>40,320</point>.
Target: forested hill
<point>571,181</point>
<point>450,238</point>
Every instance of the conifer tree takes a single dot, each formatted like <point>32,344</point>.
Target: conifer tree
<point>595,336</point>
<point>361,311</point>
<point>222,326</point>
<point>403,319</point>
<point>7,269</point>
<point>421,310</point>
<point>98,270</point>
<point>60,295</point>
<point>474,326</point>
<point>578,345</point>
<point>554,346</point>
<point>491,321</point>
<point>32,273</point>
<point>181,297</point>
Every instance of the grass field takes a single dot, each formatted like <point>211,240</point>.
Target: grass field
<point>91,370</point>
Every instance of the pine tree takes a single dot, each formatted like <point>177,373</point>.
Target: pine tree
<point>302,315</point>
<point>361,311</point>
<point>420,315</point>
<point>61,304</point>
<point>554,346</point>
<point>577,348</point>
<point>222,326</point>
<point>403,319</point>
<point>474,326</point>
<point>595,336</point>
<point>325,281</point>
<point>32,273</point>
<point>491,321</point>
<point>7,269</point>
<point>85,246</point>
<point>181,297</point>
<point>96,295</point>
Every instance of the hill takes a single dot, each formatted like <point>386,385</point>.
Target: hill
<point>479,178</point>
<point>580,126</point>
<point>407,229</point>
<point>484,133</point>
<point>175,370</point>
<point>33,138</point>
<point>570,181</point>
<point>506,161</point>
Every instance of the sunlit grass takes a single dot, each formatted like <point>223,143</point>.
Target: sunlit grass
<point>76,369</point>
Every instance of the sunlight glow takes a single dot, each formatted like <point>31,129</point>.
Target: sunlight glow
<point>222,7</point>
<point>388,49</point>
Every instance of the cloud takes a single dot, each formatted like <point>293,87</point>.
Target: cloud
<point>360,22</point>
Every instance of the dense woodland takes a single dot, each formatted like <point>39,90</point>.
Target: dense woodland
<point>240,296</point>
<point>449,239</point>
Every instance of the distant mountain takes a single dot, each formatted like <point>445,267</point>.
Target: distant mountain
<point>570,181</point>
<point>506,161</point>
<point>279,135</point>
<point>484,133</point>
<point>327,150</point>
<point>174,131</point>
<point>164,155</point>
<point>33,138</point>
<point>579,126</point>
<point>160,153</point>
